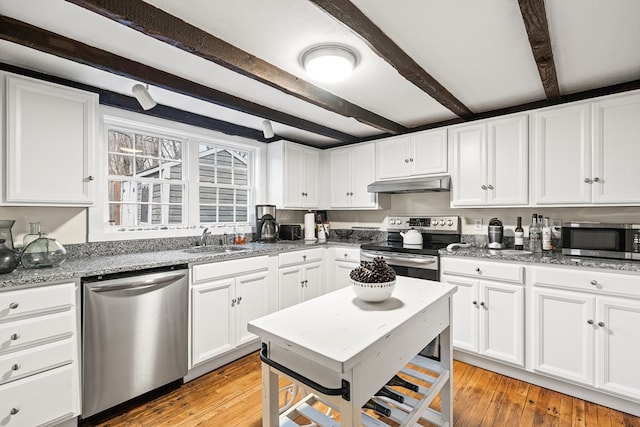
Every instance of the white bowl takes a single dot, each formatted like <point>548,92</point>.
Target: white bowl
<point>373,292</point>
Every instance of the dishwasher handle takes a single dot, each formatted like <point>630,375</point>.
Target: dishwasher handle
<point>143,284</point>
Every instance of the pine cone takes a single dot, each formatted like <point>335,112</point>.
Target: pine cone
<point>376,271</point>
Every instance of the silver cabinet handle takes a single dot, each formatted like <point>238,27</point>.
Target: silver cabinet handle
<point>475,303</point>
<point>483,304</point>
<point>410,159</point>
<point>591,322</point>
<point>587,180</point>
<point>15,366</point>
<point>15,337</point>
<point>484,187</point>
<point>239,299</point>
<point>14,411</point>
<point>594,282</point>
<point>596,179</point>
<point>478,270</point>
<point>13,305</point>
<point>601,324</point>
<point>406,160</point>
<point>304,257</point>
<point>233,302</point>
<point>91,178</point>
<point>490,187</point>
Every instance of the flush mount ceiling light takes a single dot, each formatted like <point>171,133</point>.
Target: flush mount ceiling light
<point>267,129</point>
<point>329,63</point>
<point>143,96</point>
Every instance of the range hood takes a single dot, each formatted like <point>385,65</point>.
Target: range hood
<point>411,185</point>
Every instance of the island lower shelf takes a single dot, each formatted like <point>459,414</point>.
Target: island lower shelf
<point>427,374</point>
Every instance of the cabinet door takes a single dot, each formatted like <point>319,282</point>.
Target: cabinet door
<point>310,179</point>
<point>618,344</point>
<point>251,302</point>
<point>362,172</point>
<point>290,283</point>
<point>392,157</point>
<point>213,329</point>
<point>312,280</point>
<point>502,322</point>
<point>340,177</point>
<point>469,165</point>
<point>50,137</point>
<point>563,334</point>
<point>562,155</point>
<point>508,161</point>
<point>429,152</point>
<point>616,150</point>
<point>465,313</point>
<point>292,182</point>
<point>341,277</point>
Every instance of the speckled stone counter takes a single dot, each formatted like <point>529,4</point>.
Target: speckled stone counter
<point>85,263</point>
<point>546,258</point>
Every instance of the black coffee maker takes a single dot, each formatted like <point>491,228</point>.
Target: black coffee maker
<point>266,225</point>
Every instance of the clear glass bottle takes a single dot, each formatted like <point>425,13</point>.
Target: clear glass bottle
<point>34,233</point>
<point>43,252</point>
<point>546,235</point>
<point>535,245</point>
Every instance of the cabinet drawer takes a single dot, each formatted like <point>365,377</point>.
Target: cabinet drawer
<point>299,257</point>
<point>347,254</point>
<point>39,399</point>
<point>483,270</point>
<point>36,300</point>
<point>27,362</point>
<point>593,281</point>
<point>229,268</point>
<point>32,331</point>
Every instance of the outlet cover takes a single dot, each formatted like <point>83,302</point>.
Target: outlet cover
<point>477,224</point>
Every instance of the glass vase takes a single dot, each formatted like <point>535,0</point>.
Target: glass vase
<point>9,258</point>
<point>43,252</point>
<point>34,233</point>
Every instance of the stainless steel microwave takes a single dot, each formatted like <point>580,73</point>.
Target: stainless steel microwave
<point>596,239</point>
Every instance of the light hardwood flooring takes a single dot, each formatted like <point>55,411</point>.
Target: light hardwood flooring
<point>231,396</point>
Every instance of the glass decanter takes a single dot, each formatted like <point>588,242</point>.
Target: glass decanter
<point>43,252</point>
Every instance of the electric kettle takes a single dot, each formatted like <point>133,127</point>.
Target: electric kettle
<point>269,230</point>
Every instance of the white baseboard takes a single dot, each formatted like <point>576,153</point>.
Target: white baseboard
<point>215,363</point>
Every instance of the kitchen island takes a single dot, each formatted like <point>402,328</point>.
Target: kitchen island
<point>344,350</point>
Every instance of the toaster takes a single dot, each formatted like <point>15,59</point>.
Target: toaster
<point>290,232</point>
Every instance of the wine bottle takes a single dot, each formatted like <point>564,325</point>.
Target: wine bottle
<point>546,235</point>
<point>401,382</point>
<point>390,394</point>
<point>377,407</point>
<point>519,236</point>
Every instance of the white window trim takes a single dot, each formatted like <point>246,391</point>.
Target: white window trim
<point>98,229</point>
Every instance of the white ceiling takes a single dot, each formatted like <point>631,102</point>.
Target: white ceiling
<point>478,50</point>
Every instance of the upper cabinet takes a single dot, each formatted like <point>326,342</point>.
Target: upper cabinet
<point>588,152</point>
<point>421,153</point>
<point>292,175</point>
<point>351,169</point>
<point>50,137</point>
<point>490,163</point>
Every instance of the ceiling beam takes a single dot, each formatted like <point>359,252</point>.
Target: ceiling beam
<point>28,35</point>
<point>535,21</point>
<point>352,17</point>
<point>160,25</point>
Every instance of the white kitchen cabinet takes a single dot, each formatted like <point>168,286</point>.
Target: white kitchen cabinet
<point>585,328</point>
<point>490,163</point>
<point>420,153</point>
<point>300,276</point>
<point>225,296</point>
<point>345,259</point>
<point>49,140</point>
<point>351,170</point>
<point>292,175</point>
<point>39,358</point>
<point>488,308</point>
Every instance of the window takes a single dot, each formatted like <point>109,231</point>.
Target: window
<point>162,179</point>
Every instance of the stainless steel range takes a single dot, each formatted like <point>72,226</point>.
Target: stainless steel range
<point>410,259</point>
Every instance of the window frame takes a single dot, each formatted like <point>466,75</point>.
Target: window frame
<point>191,137</point>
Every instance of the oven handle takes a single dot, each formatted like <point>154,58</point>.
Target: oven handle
<point>411,260</point>
<point>344,391</point>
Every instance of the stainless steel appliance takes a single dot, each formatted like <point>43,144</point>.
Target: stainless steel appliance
<point>290,232</point>
<point>134,335</point>
<point>601,240</point>
<point>266,224</point>
<point>495,232</point>
<point>419,261</point>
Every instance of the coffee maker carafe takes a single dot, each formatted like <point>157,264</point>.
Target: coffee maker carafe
<point>266,225</point>
<point>496,234</point>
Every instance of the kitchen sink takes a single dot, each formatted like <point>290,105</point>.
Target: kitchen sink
<point>215,249</point>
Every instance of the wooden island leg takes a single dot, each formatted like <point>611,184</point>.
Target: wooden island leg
<point>270,397</point>
<point>446,362</point>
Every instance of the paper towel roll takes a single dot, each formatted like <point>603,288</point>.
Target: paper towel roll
<point>309,226</point>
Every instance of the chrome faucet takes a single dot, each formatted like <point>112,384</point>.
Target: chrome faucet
<point>203,238</point>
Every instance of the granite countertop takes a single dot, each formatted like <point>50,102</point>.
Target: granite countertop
<point>91,265</point>
<point>553,258</point>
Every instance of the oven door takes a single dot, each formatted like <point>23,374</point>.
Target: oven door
<point>408,265</point>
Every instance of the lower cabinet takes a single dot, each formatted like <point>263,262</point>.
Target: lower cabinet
<point>300,276</point>
<point>225,296</point>
<point>344,260</point>
<point>39,356</point>
<point>488,315</point>
<point>590,336</point>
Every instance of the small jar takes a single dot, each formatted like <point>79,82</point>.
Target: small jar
<point>9,259</point>
<point>43,252</point>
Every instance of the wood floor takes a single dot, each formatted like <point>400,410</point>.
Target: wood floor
<point>230,396</point>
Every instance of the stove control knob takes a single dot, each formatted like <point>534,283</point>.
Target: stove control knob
<point>450,222</point>
<point>442,222</point>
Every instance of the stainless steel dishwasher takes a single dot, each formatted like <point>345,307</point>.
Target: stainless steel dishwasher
<point>134,335</point>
